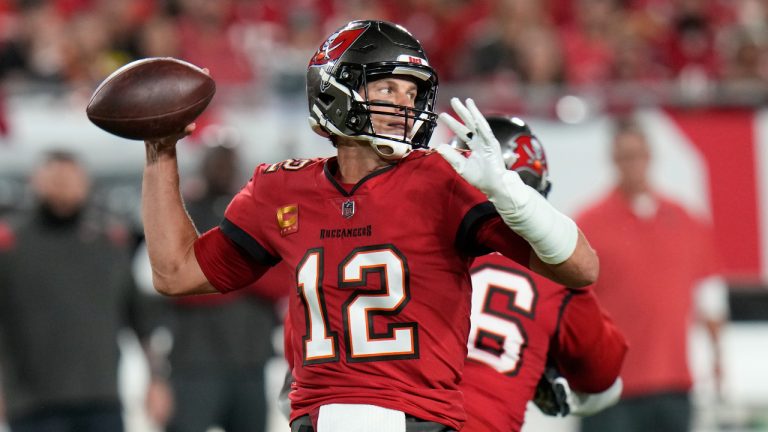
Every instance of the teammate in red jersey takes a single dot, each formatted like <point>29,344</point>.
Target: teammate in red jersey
<point>379,238</point>
<point>521,322</point>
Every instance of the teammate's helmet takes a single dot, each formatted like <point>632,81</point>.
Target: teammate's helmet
<point>521,150</point>
<point>360,52</point>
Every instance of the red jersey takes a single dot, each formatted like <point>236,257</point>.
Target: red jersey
<point>648,270</point>
<point>518,320</point>
<point>380,313</point>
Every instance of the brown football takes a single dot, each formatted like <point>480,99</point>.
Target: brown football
<point>151,98</point>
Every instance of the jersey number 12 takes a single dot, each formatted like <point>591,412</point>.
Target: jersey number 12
<point>321,343</point>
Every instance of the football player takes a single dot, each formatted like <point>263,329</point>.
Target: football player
<point>527,330</point>
<point>379,237</point>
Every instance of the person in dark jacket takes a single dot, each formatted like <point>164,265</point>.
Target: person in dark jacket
<point>65,293</point>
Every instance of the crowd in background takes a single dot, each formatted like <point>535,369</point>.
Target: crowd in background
<point>545,43</point>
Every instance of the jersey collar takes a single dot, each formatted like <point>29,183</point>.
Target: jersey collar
<point>332,166</point>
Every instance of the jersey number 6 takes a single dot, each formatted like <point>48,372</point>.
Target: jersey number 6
<point>499,297</point>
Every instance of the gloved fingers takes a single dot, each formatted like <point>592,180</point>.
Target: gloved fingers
<point>481,124</point>
<point>461,131</point>
<point>453,157</point>
<point>464,114</point>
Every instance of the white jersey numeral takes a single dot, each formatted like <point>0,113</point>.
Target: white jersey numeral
<point>399,339</point>
<point>496,336</point>
<point>319,344</point>
<point>363,342</point>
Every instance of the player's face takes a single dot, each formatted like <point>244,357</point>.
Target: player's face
<point>393,91</point>
<point>632,158</point>
<point>63,186</point>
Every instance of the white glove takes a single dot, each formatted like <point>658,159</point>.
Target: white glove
<point>552,235</point>
<point>484,167</point>
<point>283,401</point>
<point>586,404</point>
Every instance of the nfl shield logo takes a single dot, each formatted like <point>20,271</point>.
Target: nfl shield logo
<point>348,209</point>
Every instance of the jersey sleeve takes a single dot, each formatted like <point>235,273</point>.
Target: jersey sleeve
<point>246,218</point>
<point>275,285</point>
<point>226,266</point>
<point>589,349</point>
<point>494,235</point>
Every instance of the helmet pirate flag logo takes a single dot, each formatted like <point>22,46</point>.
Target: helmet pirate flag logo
<point>336,45</point>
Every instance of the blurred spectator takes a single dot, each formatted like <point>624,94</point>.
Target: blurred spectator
<point>302,30</point>
<point>747,55</point>
<point>588,42</point>
<point>526,52</point>
<point>601,40</point>
<point>217,361</point>
<point>361,9</point>
<point>494,46</point>
<point>124,18</point>
<point>45,43</point>
<point>691,47</point>
<point>91,54</point>
<point>540,57</point>
<point>442,27</point>
<point>159,38</point>
<point>636,60</point>
<point>207,40</point>
<point>65,292</point>
<point>652,257</point>
<point>9,58</point>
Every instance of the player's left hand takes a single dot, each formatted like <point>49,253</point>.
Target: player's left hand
<point>553,394</point>
<point>552,235</point>
<point>484,168</point>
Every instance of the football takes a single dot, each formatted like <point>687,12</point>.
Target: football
<point>151,98</point>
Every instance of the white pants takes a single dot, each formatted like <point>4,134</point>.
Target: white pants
<point>359,418</point>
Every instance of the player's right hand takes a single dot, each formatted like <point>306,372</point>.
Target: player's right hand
<point>171,140</point>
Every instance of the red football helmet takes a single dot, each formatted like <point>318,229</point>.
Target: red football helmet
<point>521,150</point>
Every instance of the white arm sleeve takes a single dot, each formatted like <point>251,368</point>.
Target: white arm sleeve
<point>552,235</point>
<point>585,404</point>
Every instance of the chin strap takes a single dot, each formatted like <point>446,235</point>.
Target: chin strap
<point>389,149</point>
